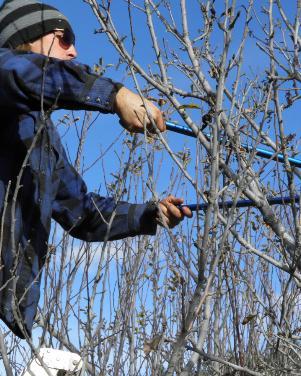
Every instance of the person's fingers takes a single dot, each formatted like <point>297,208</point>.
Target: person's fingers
<point>179,201</point>
<point>132,127</point>
<point>162,122</point>
<point>135,112</point>
<point>164,208</point>
<point>175,212</point>
<point>186,211</point>
<point>171,213</point>
<point>156,115</point>
<point>175,200</point>
<point>159,120</point>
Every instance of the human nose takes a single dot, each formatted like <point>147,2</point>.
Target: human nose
<point>72,53</point>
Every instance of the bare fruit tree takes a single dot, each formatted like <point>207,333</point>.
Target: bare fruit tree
<point>219,295</point>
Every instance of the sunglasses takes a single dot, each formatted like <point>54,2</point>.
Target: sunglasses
<point>66,38</point>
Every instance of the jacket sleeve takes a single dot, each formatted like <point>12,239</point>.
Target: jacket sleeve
<point>90,217</point>
<point>29,79</point>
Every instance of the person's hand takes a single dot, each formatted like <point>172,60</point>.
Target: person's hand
<point>132,113</point>
<point>170,214</point>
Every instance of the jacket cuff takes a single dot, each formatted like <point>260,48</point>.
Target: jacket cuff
<point>144,218</point>
<point>100,93</point>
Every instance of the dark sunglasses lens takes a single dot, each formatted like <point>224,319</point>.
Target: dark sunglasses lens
<point>68,37</point>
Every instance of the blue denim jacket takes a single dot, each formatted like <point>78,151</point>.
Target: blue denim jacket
<point>38,183</point>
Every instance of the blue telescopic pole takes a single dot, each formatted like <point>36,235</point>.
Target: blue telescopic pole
<point>243,203</point>
<point>260,152</point>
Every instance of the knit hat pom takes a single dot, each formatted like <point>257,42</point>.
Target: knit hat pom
<point>23,21</point>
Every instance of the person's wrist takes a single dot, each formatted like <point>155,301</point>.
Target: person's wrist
<point>117,87</point>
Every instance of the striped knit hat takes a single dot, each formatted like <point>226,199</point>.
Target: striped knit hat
<point>23,21</point>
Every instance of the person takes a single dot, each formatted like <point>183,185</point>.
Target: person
<point>39,74</point>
